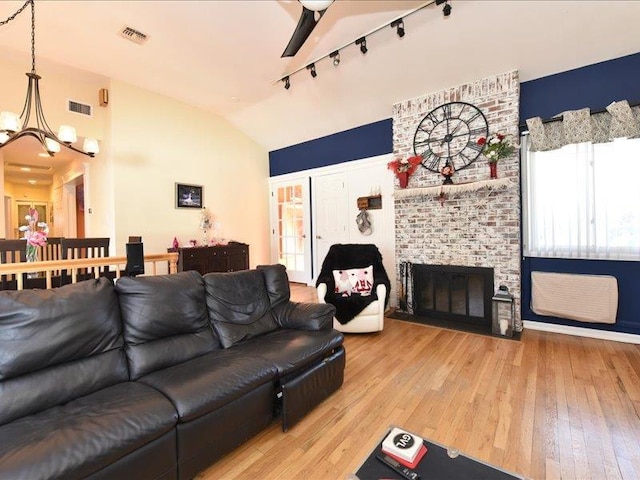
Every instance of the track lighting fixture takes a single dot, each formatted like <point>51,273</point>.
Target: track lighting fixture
<point>335,56</point>
<point>312,70</point>
<point>399,25</point>
<point>362,41</point>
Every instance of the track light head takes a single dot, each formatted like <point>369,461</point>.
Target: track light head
<point>362,41</point>
<point>446,10</point>
<point>312,70</point>
<point>287,83</point>
<point>399,25</point>
<point>440,2</point>
<point>335,56</point>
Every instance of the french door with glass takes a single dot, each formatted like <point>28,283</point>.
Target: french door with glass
<point>290,227</point>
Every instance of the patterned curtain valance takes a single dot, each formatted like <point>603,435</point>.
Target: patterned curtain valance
<point>577,126</point>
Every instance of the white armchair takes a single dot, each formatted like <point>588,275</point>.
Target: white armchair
<point>354,280</point>
<point>371,319</point>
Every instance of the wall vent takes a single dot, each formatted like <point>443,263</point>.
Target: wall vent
<point>81,108</point>
<point>134,35</point>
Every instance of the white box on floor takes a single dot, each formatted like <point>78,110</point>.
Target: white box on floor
<point>402,444</point>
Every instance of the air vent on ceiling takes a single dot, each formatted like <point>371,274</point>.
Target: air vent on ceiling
<point>81,108</point>
<point>134,35</point>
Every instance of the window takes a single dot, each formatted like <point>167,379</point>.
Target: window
<point>583,201</point>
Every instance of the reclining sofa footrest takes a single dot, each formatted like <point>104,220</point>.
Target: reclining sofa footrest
<point>302,393</point>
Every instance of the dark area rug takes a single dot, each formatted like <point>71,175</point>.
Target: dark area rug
<point>448,324</point>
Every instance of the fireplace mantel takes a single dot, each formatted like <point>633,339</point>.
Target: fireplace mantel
<point>440,190</point>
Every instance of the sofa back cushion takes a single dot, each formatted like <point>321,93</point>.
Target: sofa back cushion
<point>276,283</point>
<point>57,345</point>
<point>239,306</point>
<point>165,321</point>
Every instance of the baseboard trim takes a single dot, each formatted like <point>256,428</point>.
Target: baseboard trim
<point>582,332</point>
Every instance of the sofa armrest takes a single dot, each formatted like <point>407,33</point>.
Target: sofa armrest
<point>304,316</point>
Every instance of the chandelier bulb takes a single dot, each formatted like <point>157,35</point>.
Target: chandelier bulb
<point>67,134</point>
<point>9,122</point>
<point>90,146</point>
<point>51,146</point>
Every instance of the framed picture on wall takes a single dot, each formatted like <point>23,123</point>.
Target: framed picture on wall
<point>188,196</point>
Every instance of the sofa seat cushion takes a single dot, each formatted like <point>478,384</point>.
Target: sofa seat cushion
<point>290,350</point>
<point>85,435</point>
<point>211,381</point>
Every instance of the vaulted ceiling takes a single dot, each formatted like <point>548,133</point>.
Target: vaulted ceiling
<point>224,56</point>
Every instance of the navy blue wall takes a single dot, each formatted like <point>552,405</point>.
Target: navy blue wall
<point>594,86</point>
<point>360,142</point>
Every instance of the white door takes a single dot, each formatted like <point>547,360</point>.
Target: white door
<point>330,202</point>
<point>291,227</point>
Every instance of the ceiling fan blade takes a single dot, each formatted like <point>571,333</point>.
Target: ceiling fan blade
<point>305,26</point>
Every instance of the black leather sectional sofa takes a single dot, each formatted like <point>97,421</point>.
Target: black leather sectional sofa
<point>157,377</point>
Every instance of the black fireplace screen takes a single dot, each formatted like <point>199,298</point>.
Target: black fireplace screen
<point>449,292</point>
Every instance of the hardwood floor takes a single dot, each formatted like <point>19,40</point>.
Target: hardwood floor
<point>547,407</point>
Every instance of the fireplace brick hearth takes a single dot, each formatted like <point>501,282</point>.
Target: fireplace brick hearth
<point>474,229</point>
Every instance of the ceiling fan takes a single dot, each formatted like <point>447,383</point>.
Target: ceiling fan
<point>306,24</point>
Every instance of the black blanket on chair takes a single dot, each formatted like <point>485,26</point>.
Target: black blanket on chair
<point>346,257</point>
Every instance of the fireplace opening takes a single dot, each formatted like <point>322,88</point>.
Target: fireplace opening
<point>453,293</point>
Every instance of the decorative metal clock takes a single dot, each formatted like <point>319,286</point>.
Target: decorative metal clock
<point>448,136</point>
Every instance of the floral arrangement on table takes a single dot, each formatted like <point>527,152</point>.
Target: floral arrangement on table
<point>205,224</point>
<point>496,147</point>
<point>35,238</point>
<point>404,168</point>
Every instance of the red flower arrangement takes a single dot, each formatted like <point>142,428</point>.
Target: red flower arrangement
<point>496,147</point>
<point>402,165</point>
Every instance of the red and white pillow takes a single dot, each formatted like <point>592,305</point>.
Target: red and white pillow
<point>355,281</point>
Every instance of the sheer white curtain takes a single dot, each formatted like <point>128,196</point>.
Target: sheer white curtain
<point>582,201</point>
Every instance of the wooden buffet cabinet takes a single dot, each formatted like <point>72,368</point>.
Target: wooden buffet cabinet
<point>219,258</point>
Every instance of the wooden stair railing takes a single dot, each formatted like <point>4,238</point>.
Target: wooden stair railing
<point>51,266</point>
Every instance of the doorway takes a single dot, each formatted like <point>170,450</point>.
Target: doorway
<point>22,210</point>
<point>290,227</point>
<point>79,196</point>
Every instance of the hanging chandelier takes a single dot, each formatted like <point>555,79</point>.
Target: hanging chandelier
<point>14,126</point>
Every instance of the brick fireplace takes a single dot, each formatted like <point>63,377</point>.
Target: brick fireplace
<point>469,229</point>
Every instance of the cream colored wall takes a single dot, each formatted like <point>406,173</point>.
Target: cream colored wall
<point>157,141</point>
